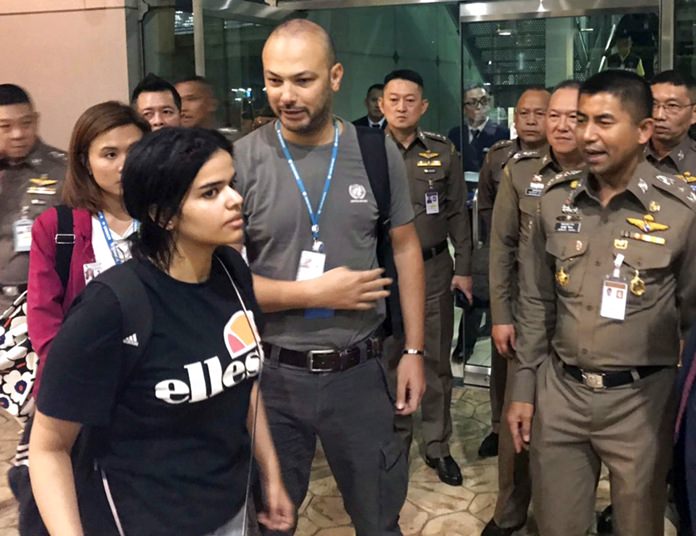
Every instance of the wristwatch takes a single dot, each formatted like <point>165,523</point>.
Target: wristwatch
<point>412,351</point>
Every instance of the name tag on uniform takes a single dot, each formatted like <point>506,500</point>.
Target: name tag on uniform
<point>568,227</point>
<point>535,189</point>
<point>614,297</point>
<point>312,266</point>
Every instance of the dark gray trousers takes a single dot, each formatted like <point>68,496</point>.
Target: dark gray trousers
<point>352,413</point>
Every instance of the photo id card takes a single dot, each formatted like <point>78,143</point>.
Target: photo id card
<point>432,202</point>
<point>21,234</point>
<point>91,270</point>
<point>614,298</point>
<point>311,265</point>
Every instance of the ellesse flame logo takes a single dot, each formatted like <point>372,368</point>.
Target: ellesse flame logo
<point>239,334</point>
<point>207,378</point>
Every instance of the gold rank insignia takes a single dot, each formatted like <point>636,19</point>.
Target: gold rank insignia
<point>647,224</point>
<point>620,243</point>
<point>562,277</point>
<point>687,177</point>
<point>637,285</point>
<point>43,181</point>
<point>654,206</point>
<point>574,184</point>
<point>429,155</point>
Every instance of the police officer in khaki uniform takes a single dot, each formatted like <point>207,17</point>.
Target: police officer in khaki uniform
<point>671,150</point>
<point>606,289</point>
<point>530,123</point>
<point>438,193</point>
<point>32,173</point>
<point>523,182</point>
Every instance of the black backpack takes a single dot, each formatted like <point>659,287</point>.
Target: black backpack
<point>374,155</point>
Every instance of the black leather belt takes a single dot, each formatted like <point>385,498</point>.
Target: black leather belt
<point>429,253</point>
<point>607,380</point>
<point>327,360</point>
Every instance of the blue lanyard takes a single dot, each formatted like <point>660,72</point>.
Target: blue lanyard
<point>313,216</point>
<point>116,253</point>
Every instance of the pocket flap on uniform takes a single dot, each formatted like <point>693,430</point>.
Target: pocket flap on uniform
<point>565,246</point>
<point>642,256</point>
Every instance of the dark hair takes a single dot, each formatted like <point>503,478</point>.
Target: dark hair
<point>678,79</point>
<point>79,189</point>
<point>380,87</point>
<point>12,94</point>
<point>157,175</point>
<point>405,74</point>
<point>567,84</point>
<point>154,84</point>
<point>475,85</point>
<point>630,89</point>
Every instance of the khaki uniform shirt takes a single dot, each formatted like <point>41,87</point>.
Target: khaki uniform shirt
<point>433,166</point>
<point>571,253</point>
<point>524,178</point>
<point>489,179</point>
<point>680,161</point>
<point>34,183</point>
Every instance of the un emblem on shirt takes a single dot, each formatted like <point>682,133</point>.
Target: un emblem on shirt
<point>357,193</point>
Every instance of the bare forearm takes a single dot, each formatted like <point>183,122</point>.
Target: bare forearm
<point>53,485</point>
<point>408,258</point>
<point>264,450</point>
<point>276,295</point>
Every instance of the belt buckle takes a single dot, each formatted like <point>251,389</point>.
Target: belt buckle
<point>310,360</point>
<point>593,380</point>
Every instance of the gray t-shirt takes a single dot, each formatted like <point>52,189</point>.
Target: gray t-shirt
<point>278,227</point>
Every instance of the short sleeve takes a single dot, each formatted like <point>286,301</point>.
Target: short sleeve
<point>400,193</point>
<point>84,367</point>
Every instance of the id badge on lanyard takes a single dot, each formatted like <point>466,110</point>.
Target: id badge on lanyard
<point>312,263</point>
<point>21,232</point>
<point>614,293</point>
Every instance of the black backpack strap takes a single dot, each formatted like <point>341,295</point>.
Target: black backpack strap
<point>136,309</point>
<point>374,155</point>
<point>65,242</point>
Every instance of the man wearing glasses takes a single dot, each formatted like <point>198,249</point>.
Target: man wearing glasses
<point>671,150</point>
<point>479,132</point>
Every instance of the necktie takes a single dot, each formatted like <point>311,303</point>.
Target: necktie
<point>475,133</point>
<point>374,125</point>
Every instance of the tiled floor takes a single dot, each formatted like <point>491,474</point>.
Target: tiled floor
<point>432,508</point>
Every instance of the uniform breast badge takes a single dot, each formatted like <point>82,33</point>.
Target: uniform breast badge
<point>637,285</point>
<point>647,224</point>
<point>562,277</point>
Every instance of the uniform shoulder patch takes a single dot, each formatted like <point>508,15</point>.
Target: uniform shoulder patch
<point>676,188</point>
<point>564,177</point>
<point>501,144</point>
<point>520,156</point>
<point>435,136</point>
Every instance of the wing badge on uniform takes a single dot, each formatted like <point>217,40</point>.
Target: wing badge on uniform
<point>647,224</point>
<point>428,154</point>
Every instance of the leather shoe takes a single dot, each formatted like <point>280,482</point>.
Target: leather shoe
<point>447,469</point>
<point>604,521</point>
<point>492,529</point>
<point>489,446</point>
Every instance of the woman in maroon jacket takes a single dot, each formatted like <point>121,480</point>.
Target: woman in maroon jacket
<point>98,147</point>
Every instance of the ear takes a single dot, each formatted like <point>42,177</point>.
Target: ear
<point>335,77</point>
<point>380,103</point>
<point>693,115</point>
<point>424,106</point>
<point>645,130</point>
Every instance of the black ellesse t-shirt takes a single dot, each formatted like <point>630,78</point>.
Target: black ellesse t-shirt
<point>172,428</point>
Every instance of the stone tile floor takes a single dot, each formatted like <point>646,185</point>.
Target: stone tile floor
<point>432,508</point>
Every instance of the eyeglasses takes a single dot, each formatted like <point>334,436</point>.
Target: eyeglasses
<point>475,103</point>
<point>670,108</point>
